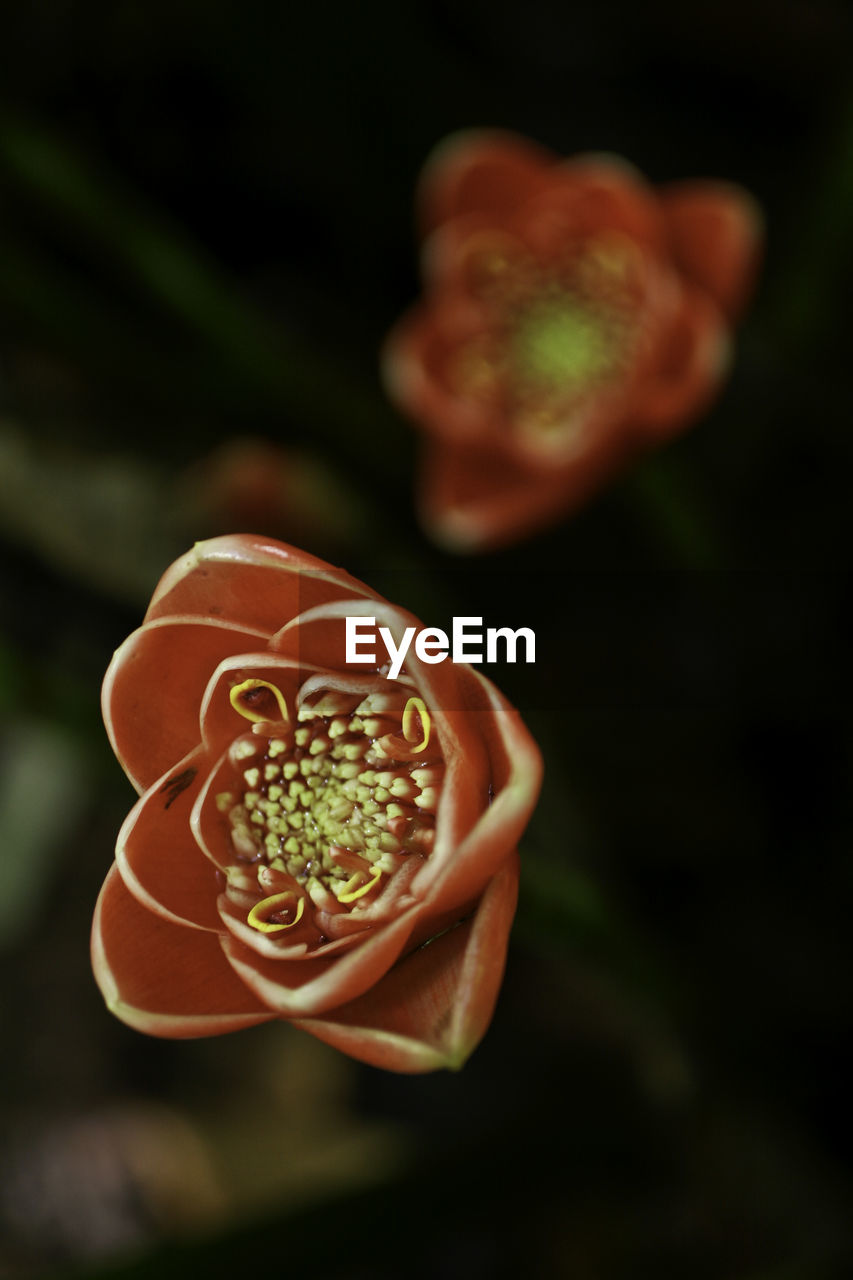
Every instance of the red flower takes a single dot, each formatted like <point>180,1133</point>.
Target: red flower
<point>573,316</point>
<point>314,841</point>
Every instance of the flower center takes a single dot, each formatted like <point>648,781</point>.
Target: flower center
<point>560,344</point>
<point>556,334</point>
<point>334,804</point>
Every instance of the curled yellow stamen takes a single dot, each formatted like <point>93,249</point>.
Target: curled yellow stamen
<point>348,894</point>
<point>258,916</point>
<point>248,687</point>
<point>416,706</point>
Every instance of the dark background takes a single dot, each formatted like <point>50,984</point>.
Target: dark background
<point>205,233</point>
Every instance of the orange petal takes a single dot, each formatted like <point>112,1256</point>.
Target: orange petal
<point>158,857</point>
<point>452,877</point>
<point>476,500</point>
<point>279,947</point>
<point>153,689</point>
<point>308,987</point>
<point>434,1007</point>
<point>716,232</point>
<point>477,171</point>
<point>251,581</point>
<point>161,978</point>
<point>417,355</point>
<point>591,195</point>
<point>692,362</point>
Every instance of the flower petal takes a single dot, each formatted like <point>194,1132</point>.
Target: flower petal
<point>153,689</point>
<point>434,1007</point>
<point>416,358</point>
<point>251,581</point>
<point>451,877</point>
<point>279,947</point>
<point>589,196</point>
<point>220,722</point>
<point>304,988</point>
<point>693,358</point>
<point>161,978</point>
<point>475,171</point>
<point>157,856</point>
<point>473,500</point>
<point>715,230</point>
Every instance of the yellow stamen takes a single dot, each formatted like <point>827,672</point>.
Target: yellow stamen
<point>348,894</point>
<point>416,706</point>
<point>269,906</point>
<point>248,687</point>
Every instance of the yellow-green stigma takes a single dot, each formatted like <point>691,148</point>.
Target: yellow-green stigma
<point>334,804</point>
<point>561,345</point>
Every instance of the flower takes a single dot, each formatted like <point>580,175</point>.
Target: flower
<point>573,316</point>
<point>314,841</point>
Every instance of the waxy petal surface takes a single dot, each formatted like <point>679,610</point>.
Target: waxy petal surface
<point>296,988</point>
<point>157,855</point>
<point>454,876</point>
<point>154,687</point>
<point>250,581</point>
<point>163,979</point>
<point>434,1006</point>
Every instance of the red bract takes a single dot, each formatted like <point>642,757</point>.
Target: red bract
<point>314,841</point>
<point>573,316</point>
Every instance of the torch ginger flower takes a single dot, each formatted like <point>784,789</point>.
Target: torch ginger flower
<point>573,317</point>
<point>314,841</point>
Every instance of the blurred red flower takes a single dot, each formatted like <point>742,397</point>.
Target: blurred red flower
<point>572,317</point>
<point>251,483</point>
<point>314,841</point>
